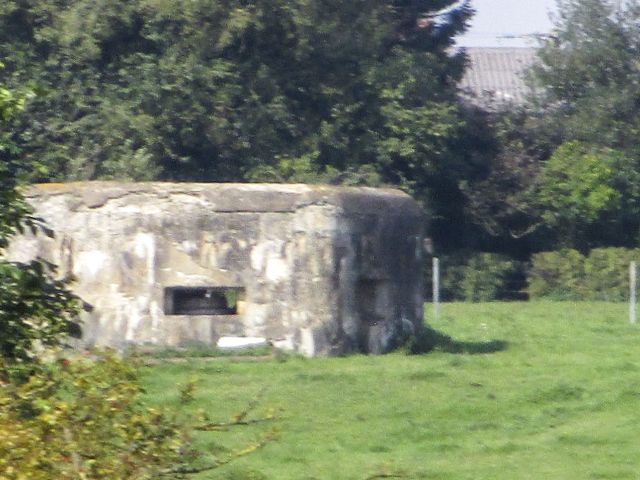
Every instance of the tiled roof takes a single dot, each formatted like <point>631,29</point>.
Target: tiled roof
<point>497,75</point>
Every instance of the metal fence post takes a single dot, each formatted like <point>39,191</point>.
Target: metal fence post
<point>632,293</point>
<point>436,287</point>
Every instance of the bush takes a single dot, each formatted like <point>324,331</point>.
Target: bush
<point>607,273</point>
<point>569,275</point>
<point>84,420</point>
<point>34,307</point>
<point>487,277</point>
<point>558,275</point>
<point>478,277</point>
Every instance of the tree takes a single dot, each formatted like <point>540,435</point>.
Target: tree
<point>590,76</point>
<point>501,197</point>
<point>591,97</point>
<point>33,306</point>
<point>504,202</point>
<point>230,91</point>
<point>590,196</point>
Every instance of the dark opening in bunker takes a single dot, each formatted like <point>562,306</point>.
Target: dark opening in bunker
<point>202,300</point>
<point>372,298</point>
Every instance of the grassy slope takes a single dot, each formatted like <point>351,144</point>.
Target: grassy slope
<point>560,402</point>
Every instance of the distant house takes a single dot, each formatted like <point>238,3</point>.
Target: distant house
<point>496,76</point>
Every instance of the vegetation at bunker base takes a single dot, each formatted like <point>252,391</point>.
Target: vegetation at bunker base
<point>559,402</point>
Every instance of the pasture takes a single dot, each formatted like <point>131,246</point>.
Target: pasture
<point>537,390</point>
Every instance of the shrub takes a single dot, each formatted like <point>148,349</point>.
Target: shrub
<point>451,277</point>
<point>607,273</point>
<point>34,307</point>
<point>478,277</point>
<point>84,420</point>
<point>487,277</point>
<point>558,275</point>
<point>569,275</point>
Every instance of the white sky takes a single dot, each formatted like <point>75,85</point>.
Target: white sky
<point>497,22</point>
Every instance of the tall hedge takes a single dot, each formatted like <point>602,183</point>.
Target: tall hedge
<point>478,277</point>
<point>602,275</point>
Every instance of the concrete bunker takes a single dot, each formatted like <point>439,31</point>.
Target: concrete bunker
<point>316,269</point>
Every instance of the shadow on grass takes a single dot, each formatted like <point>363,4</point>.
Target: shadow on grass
<point>430,340</point>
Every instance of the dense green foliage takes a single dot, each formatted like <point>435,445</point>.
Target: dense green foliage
<point>84,419</point>
<point>590,74</point>
<point>569,275</point>
<point>36,310</point>
<point>590,193</point>
<point>486,277</point>
<point>221,91</point>
<point>478,277</point>
<point>590,91</point>
<point>503,202</point>
<point>565,274</point>
<point>562,171</point>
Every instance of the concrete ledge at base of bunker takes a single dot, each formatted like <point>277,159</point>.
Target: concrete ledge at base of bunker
<point>240,342</point>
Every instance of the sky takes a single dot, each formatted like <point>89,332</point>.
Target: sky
<point>508,23</point>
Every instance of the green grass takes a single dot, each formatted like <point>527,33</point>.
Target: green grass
<point>558,399</point>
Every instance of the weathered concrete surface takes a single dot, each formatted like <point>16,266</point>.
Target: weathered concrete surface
<point>316,269</point>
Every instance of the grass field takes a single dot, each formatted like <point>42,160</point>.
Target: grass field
<point>560,399</point>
